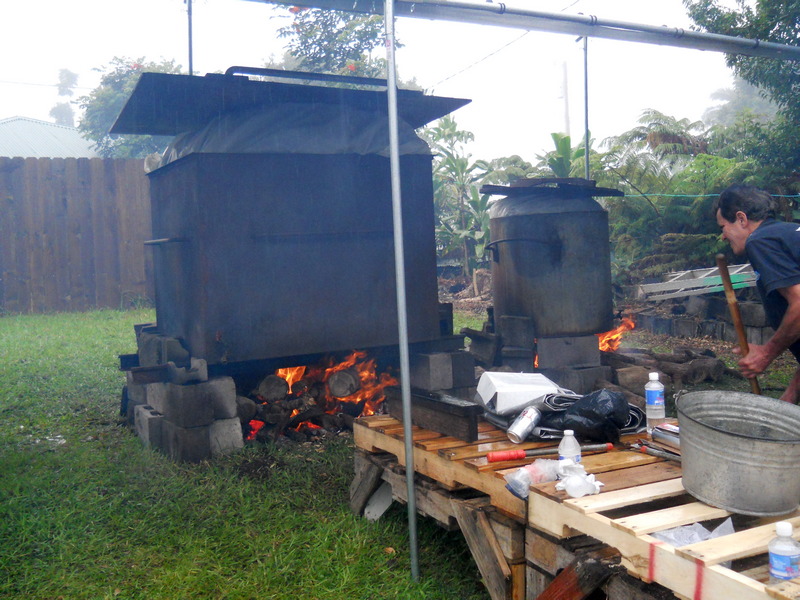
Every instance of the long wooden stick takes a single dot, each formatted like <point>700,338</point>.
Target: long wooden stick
<point>733,306</point>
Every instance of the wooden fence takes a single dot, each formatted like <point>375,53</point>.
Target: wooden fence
<point>72,233</point>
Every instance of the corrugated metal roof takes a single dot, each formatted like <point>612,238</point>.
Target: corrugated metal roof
<point>25,137</point>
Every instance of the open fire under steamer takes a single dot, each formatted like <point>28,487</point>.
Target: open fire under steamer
<point>276,251</point>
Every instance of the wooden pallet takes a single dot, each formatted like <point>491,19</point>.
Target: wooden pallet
<point>638,502</point>
<point>456,485</point>
<point>695,282</point>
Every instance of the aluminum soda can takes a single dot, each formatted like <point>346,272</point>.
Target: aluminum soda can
<point>524,424</point>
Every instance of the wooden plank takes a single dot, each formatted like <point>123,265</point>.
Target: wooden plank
<point>658,520</point>
<point>648,558</point>
<point>612,461</point>
<point>365,481</point>
<point>451,442</point>
<point>605,501</point>
<point>749,542</point>
<point>785,590</point>
<point>448,473</point>
<point>510,535</point>
<point>476,450</point>
<point>582,577</point>
<point>485,550</point>
<point>431,501</point>
<point>620,479</point>
<point>376,421</point>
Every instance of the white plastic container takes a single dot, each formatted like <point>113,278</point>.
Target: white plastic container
<point>655,409</point>
<point>569,447</point>
<point>784,554</point>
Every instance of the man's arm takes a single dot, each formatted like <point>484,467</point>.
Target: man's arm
<point>760,357</point>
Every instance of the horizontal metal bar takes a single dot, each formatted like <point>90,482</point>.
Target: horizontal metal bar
<point>305,75</point>
<point>503,15</point>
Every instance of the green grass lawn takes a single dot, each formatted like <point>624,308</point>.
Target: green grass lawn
<point>87,512</point>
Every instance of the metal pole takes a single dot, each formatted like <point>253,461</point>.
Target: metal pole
<point>586,104</point>
<point>502,15</point>
<point>189,5</point>
<point>400,282</point>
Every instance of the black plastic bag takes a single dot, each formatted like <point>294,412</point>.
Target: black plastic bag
<point>598,416</point>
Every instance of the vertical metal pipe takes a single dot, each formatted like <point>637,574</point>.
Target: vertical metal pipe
<point>586,105</point>
<point>189,7</point>
<point>400,279</point>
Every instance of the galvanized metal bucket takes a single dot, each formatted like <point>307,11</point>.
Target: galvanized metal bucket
<point>741,452</point>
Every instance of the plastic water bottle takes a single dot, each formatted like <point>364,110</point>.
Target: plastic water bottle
<point>569,447</point>
<point>654,398</point>
<point>784,554</point>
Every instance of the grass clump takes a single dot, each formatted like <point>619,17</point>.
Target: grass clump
<point>87,512</point>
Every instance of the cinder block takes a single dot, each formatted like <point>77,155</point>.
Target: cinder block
<point>130,405</point>
<point>580,351</point>
<point>149,349</point>
<point>516,331</point>
<point>222,395</point>
<point>197,371</point>
<point>684,328</point>
<point>186,444</point>
<point>149,426</point>
<point>187,405</point>
<point>580,381</point>
<point>225,436</point>
<point>697,306</point>
<point>519,360</point>
<point>753,314</point>
<point>155,394</point>
<point>136,391</point>
<point>441,370</point>
<point>711,328</point>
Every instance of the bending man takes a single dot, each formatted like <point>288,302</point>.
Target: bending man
<point>745,215</point>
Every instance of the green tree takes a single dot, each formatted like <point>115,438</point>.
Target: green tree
<point>62,112</point>
<point>563,161</point>
<point>462,213</point>
<point>103,104</point>
<point>774,21</point>
<point>742,98</point>
<point>331,41</point>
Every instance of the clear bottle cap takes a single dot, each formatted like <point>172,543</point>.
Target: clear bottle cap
<point>653,377</point>
<point>569,432</point>
<point>783,528</point>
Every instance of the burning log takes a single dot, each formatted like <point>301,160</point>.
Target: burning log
<point>344,383</point>
<point>272,388</point>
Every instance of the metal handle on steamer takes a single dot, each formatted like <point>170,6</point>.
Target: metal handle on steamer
<point>492,246</point>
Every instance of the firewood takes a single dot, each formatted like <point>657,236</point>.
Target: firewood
<point>245,409</point>
<point>272,388</point>
<point>344,383</point>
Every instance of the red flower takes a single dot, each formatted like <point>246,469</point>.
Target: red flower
<point>351,67</point>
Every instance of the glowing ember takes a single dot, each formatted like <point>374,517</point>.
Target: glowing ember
<point>255,425</point>
<point>610,340</point>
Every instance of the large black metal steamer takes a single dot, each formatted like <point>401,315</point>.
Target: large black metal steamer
<point>273,220</point>
<point>551,256</point>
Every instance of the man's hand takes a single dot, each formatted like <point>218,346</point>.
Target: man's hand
<point>756,362</point>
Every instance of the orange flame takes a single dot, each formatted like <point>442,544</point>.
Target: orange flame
<point>291,374</point>
<point>370,394</point>
<point>610,340</point>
